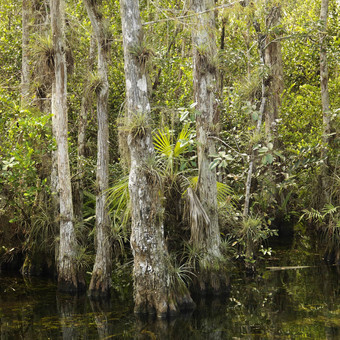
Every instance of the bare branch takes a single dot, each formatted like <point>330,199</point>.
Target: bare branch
<point>191,15</point>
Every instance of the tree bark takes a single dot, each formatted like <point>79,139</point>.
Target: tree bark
<point>86,106</point>
<point>273,61</point>
<point>68,278</point>
<point>25,70</point>
<point>54,171</point>
<point>206,235</point>
<point>272,88</point>
<point>264,99</point>
<point>101,275</point>
<point>152,290</point>
<point>324,96</point>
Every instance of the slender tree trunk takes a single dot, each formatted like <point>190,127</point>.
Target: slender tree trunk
<point>86,105</point>
<point>54,171</point>
<point>252,154</point>
<point>324,96</point>
<point>324,70</point>
<point>101,274</point>
<point>206,234</point>
<point>25,70</point>
<point>222,47</point>
<point>152,290</point>
<point>68,278</point>
<point>273,60</point>
<point>264,100</point>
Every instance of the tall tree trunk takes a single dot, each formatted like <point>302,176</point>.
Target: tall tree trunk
<point>152,290</point>
<point>86,106</point>
<point>272,87</point>
<point>54,171</point>
<point>101,274</point>
<point>68,278</point>
<point>273,60</point>
<point>252,153</point>
<point>25,70</point>
<point>206,234</point>
<point>324,96</point>
<point>264,99</point>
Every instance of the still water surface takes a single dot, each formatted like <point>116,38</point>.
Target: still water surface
<point>299,303</point>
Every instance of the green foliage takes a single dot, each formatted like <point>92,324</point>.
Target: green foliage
<point>24,158</point>
<point>192,256</point>
<point>179,275</point>
<point>287,172</point>
<point>172,154</point>
<point>118,201</point>
<point>42,53</point>
<point>249,237</point>
<point>301,119</point>
<point>10,46</point>
<point>141,52</point>
<point>138,124</point>
<point>328,222</point>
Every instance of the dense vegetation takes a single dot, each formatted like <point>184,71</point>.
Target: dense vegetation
<point>272,171</point>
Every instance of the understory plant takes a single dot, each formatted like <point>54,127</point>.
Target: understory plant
<point>327,222</point>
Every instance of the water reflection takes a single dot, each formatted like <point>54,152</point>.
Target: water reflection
<point>282,304</point>
<point>101,309</point>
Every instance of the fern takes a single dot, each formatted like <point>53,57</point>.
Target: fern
<point>329,209</point>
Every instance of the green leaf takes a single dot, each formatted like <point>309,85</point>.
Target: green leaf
<point>264,149</point>
<point>213,164</point>
<point>268,159</point>
<point>255,116</point>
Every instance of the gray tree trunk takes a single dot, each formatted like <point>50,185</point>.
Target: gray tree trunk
<point>324,96</point>
<point>273,61</point>
<point>152,290</point>
<point>54,171</point>
<point>252,154</point>
<point>205,234</point>
<point>86,106</point>
<point>68,278</point>
<point>264,99</point>
<point>25,69</point>
<point>324,70</point>
<point>101,274</point>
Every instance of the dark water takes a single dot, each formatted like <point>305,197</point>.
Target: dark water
<point>300,303</point>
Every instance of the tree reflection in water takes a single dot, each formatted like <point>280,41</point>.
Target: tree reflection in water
<point>285,304</point>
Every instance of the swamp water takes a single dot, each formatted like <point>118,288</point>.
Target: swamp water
<point>291,302</point>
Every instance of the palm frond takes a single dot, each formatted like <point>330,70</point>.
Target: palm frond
<point>182,143</point>
<point>118,195</point>
<point>170,153</point>
<point>224,191</point>
<point>118,201</point>
<point>162,142</point>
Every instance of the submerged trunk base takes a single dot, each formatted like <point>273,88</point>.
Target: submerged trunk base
<point>167,307</point>
<point>99,287</point>
<point>71,286</point>
<point>212,278</point>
